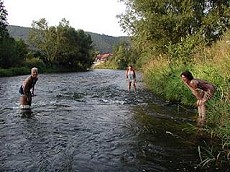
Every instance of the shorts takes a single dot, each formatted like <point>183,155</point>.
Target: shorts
<point>21,90</point>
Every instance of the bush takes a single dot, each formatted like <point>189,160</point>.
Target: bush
<point>35,62</point>
<point>207,63</point>
<point>14,71</point>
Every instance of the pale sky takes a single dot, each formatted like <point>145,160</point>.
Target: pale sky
<point>98,16</point>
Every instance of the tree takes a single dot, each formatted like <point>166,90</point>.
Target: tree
<point>62,46</point>
<point>12,53</point>
<point>77,49</point>
<point>21,51</point>
<point>154,24</point>
<point>3,21</point>
<point>121,55</point>
<point>45,39</point>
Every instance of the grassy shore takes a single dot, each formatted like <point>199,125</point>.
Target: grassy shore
<point>211,64</point>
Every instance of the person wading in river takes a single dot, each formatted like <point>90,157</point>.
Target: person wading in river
<point>131,76</point>
<point>202,90</point>
<point>27,85</point>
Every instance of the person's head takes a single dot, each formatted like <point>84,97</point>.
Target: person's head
<point>186,76</point>
<point>130,67</point>
<point>34,72</point>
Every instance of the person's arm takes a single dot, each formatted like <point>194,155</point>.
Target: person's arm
<point>27,84</point>
<point>33,91</point>
<point>197,92</point>
<point>126,73</point>
<point>33,88</point>
<point>189,85</point>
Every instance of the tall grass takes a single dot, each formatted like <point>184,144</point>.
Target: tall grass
<point>164,79</point>
<point>211,64</point>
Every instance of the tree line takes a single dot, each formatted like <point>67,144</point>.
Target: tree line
<point>173,29</point>
<point>160,24</point>
<point>60,48</point>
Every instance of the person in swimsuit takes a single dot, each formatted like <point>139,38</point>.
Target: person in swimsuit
<point>201,89</point>
<point>131,76</point>
<point>27,85</point>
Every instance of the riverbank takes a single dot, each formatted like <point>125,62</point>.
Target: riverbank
<point>16,71</point>
<point>163,78</point>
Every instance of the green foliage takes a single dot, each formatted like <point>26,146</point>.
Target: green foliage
<point>175,26</point>
<point>45,39</point>
<point>14,71</point>
<point>3,21</point>
<point>31,62</point>
<point>164,79</point>
<point>183,51</point>
<point>102,43</point>
<point>12,53</point>
<point>22,49</point>
<point>162,74</point>
<point>121,56</point>
<point>62,46</point>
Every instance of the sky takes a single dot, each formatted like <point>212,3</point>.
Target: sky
<point>97,16</point>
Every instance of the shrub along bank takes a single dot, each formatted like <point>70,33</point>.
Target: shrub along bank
<point>211,64</point>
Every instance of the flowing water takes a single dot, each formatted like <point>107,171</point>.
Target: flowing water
<point>88,121</point>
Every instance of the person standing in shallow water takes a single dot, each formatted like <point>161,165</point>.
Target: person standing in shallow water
<point>202,90</point>
<point>27,85</point>
<point>131,76</point>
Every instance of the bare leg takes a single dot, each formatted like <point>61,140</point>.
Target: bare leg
<point>134,86</point>
<point>202,111</point>
<point>199,111</point>
<point>129,86</point>
<point>30,100</point>
<point>201,117</point>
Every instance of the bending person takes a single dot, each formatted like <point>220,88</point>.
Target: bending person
<point>27,85</point>
<point>202,90</point>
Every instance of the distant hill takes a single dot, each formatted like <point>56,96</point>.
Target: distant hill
<point>103,43</point>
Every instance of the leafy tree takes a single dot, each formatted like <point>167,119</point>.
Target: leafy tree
<point>21,52</point>
<point>121,56</point>
<point>62,45</point>
<point>86,51</point>
<point>154,24</point>
<point>77,49</point>
<point>3,21</point>
<point>45,39</point>
<point>12,53</point>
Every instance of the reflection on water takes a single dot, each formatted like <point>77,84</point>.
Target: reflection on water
<point>26,113</point>
<point>89,122</point>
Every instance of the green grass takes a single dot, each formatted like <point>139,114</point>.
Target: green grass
<point>211,64</point>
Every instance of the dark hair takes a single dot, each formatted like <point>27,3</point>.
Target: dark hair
<point>187,74</point>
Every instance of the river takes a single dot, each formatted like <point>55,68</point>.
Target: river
<point>88,121</point>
